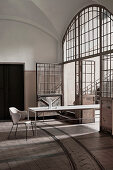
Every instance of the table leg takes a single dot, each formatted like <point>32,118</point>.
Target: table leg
<point>43,116</point>
<point>28,114</point>
<point>35,125</point>
<point>28,118</point>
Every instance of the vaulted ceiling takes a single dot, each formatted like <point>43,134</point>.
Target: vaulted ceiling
<point>51,16</point>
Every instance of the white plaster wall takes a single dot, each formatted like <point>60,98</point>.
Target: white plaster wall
<point>21,42</point>
<point>26,11</point>
<point>69,83</point>
<point>29,89</point>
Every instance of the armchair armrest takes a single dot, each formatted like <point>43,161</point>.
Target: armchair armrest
<point>23,114</point>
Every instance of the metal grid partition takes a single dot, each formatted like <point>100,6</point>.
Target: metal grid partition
<point>88,77</point>
<point>107,75</point>
<point>106,93</point>
<point>85,71</point>
<point>77,78</point>
<point>48,82</point>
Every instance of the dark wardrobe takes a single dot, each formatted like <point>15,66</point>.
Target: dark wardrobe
<point>11,88</point>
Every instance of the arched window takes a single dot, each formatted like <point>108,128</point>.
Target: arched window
<point>89,34</point>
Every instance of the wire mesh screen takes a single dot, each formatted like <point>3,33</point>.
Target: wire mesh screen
<point>49,79</point>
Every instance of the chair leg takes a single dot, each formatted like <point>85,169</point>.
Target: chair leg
<point>26,131</point>
<point>10,131</point>
<point>32,129</point>
<point>16,130</point>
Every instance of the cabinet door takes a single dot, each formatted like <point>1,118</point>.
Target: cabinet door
<point>11,88</point>
<point>2,90</point>
<point>16,86</point>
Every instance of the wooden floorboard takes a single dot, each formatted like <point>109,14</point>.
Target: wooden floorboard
<point>54,147</point>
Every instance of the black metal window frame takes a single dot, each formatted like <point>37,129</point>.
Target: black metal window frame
<point>48,77</point>
<point>48,84</point>
<point>89,35</point>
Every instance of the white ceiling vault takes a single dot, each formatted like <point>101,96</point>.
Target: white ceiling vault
<point>51,16</point>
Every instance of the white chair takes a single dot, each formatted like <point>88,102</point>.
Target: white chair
<point>18,117</point>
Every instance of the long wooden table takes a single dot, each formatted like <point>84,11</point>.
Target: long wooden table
<point>36,110</point>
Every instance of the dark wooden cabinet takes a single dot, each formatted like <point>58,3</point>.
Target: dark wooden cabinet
<point>11,88</point>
